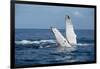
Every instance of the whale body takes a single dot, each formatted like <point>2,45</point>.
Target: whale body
<point>60,38</point>
<point>70,38</point>
<point>70,33</point>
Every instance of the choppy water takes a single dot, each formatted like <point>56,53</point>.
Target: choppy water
<point>38,46</point>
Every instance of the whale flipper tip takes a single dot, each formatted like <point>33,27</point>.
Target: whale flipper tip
<point>67,17</point>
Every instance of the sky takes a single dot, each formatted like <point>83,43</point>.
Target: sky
<point>43,16</point>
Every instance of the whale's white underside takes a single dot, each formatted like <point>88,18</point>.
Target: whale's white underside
<point>70,38</point>
<point>60,38</point>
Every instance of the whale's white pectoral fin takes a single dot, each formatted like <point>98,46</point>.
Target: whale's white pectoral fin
<point>59,37</point>
<point>70,34</point>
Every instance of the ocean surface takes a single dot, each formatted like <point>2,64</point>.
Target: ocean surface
<point>38,46</point>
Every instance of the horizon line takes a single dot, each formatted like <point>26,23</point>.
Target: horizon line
<point>49,28</point>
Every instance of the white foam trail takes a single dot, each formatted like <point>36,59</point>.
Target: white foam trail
<point>24,42</point>
<point>27,42</point>
<point>36,42</point>
<point>84,44</point>
<point>49,41</point>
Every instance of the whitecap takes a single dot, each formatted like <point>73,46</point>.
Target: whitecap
<point>84,44</point>
<point>49,41</point>
<point>26,42</point>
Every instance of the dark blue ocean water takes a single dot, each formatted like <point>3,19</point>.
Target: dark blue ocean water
<point>38,46</point>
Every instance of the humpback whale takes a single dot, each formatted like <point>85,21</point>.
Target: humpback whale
<point>60,38</point>
<point>70,34</point>
<point>70,38</point>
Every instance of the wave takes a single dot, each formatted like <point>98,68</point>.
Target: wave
<point>24,42</point>
<point>39,42</point>
<point>84,44</point>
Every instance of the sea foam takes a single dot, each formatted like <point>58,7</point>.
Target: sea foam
<point>24,42</point>
<point>28,42</point>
